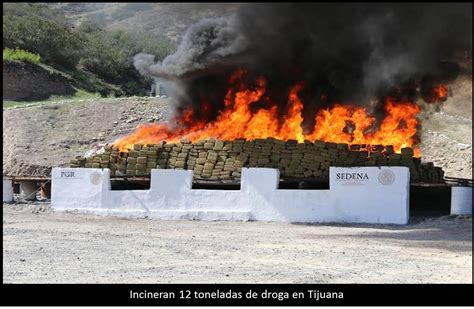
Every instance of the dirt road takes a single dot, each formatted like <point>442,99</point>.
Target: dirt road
<point>41,246</point>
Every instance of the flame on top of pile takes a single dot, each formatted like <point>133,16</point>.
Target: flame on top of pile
<point>248,113</point>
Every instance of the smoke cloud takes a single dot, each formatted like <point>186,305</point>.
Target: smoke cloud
<point>210,43</point>
<point>348,52</point>
<point>143,63</point>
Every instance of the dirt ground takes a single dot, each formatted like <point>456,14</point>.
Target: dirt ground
<point>41,246</point>
<point>46,135</point>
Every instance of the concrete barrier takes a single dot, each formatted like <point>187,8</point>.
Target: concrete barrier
<point>7,190</point>
<point>356,195</point>
<point>461,200</point>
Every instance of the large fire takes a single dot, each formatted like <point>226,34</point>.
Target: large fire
<point>241,118</point>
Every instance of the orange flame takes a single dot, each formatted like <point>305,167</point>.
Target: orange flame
<point>441,92</point>
<point>242,117</point>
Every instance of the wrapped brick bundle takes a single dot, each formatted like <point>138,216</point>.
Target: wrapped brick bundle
<point>222,160</point>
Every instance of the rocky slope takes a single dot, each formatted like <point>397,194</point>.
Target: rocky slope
<point>446,133</point>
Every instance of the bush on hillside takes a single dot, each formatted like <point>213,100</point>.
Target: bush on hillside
<point>40,30</point>
<point>55,42</point>
<point>20,55</point>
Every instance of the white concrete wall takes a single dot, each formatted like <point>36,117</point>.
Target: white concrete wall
<point>170,197</point>
<point>356,201</point>
<point>79,188</point>
<point>7,190</point>
<point>382,196</point>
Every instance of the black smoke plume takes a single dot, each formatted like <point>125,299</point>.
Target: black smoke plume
<point>350,53</point>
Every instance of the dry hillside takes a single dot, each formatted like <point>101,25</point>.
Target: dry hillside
<point>168,20</point>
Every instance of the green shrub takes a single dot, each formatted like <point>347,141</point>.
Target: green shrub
<point>35,32</point>
<point>55,42</point>
<point>20,55</point>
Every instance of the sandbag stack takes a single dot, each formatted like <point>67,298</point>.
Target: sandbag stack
<point>213,159</point>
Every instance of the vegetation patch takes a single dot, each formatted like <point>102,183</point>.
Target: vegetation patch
<point>94,56</point>
<point>18,54</point>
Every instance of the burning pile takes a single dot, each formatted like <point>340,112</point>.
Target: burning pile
<point>213,159</point>
<point>347,73</point>
<point>250,113</point>
<point>298,87</point>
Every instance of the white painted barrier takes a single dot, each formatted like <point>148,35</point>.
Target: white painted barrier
<point>358,195</point>
<point>7,190</point>
<point>461,200</point>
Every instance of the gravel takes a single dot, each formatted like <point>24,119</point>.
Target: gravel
<point>42,246</point>
<point>40,137</point>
